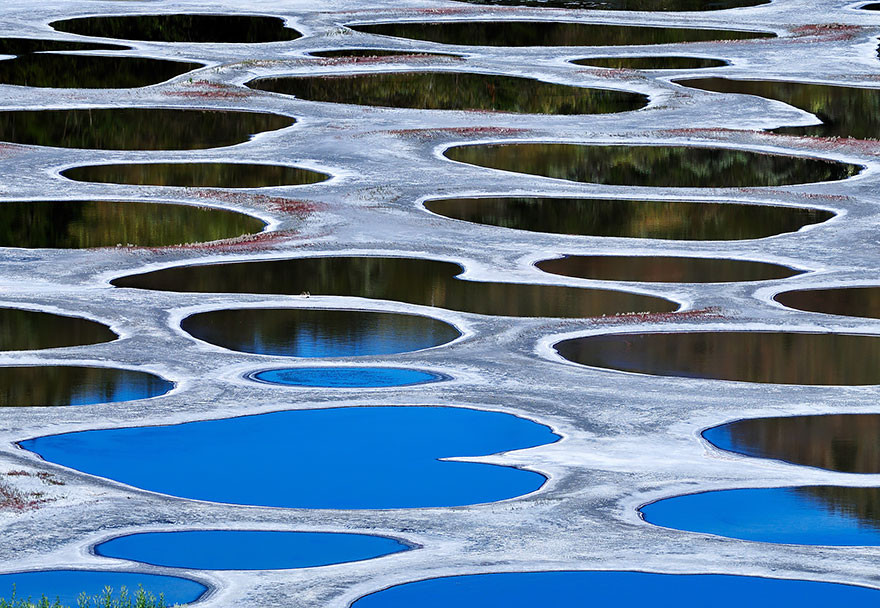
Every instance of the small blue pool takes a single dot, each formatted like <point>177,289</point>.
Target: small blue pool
<point>346,377</point>
<point>803,515</point>
<point>67,585</point>
<point>247,549</point>
<point>335,458</point>
<point>617,590</point>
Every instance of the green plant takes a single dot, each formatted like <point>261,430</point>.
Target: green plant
<point>106,599</point>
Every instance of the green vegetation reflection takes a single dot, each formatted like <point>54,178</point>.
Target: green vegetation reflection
<point>31,330</point>
<point>197,175</point>
<point>844,111</point>
<point>549,33</point>
<point>845,301</point>
<point>664,269</point>
<point>135,128</point>
<point>836,442</point>
<point>658,166</point>
<point>629,5</point>
<point>628,218</point>
<point>83,224</point>
<point>651,63</point>
<point>22,46</point>
<point>89,71</point>
<point>411,280</point>
<point>181,28</point>
<point>454,91</point>
<point>56,385</point>
<point>760,356</point>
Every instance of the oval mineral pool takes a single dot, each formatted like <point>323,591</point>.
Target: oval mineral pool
<point>136,128</point>
<point>84,224</point>
<point>548,33</point>
<point>67,585</point>
<point>664,269</point>
<point>198,28</point>
<point>837,442</point>
<point>744,356</point>
<point>346,377</point>
<point>197,175</point>
<point>24,46</point>
<point>339,458</point>
<point>845,301</point>
<point>629,5</point>
<point>47,385</point>
<point>618,589</point>
<point>32,330</point>
<point>372,53</point>
<point>298,332</point>
<point>656,166</point>
<point>803,515</point>
<point>844,111</point>
<point>696,221</point>
<point>454,91</point>
<point>651,63</point>
<point>247,549</point>
<point>89,71</point>
<point>412,280</point>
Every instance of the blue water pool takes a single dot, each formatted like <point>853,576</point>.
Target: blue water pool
<point>346,377</point>
<point>803,515</point>
<point>342,458</point>
<point>615,590</point>
<point>67,585</point>
<point>46,385</point>
<point>247,549</point>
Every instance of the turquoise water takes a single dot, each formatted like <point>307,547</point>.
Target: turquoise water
<point>66,585</point>
<point>615,590</point>
<point>805,515</point>
<point>346,377</point>
<point>247,549</point>
<point>339,458</point>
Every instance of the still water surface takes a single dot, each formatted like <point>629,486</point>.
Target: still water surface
<point>247,549</point>
<point>181,28</point>
<point>339,458</point>
<point>745,356</point>
<point>411,280</point>
<point>76,385</point>
<point>682,220</point>
<point>651,63</point>
<point>89,71</point>
<point>197,175</point>
<point>31,330</point>
<point>846,301</point>
<point>345,377</point>
<point>629,5</point>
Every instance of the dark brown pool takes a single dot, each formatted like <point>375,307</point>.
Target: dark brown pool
<point>55,385</point>
<point>744,356</point>
<point>628,5</point>
<point>845,301</point>
<point>181,28</point>
<point>849,443</point>
<point>411,280</point>
<point>549,33</point>
<point>658,166</point>
<point>651,63</point>
<point>32,330</point>
<point>664,269</point>
<point>682,220</point>
<point>371,53</point>
<point>135,128</point>
<point>196,175</point>
<point>454,91</point>
<point>89,71</point>
<point>83,224</point>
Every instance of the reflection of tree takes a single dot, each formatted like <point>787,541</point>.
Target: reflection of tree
<point>90,72</point>
<point>76,224</point>
<point>181,28</point>
<point>663,269</point>
<point>844,111</point>
<point>860,503</point>
<point>546,33</point>
<point>839,442</point>
<point>848,301</point>
<point>642,219</point>
<point>318,333</point>
<point>74,385</point>
<point>21,46</point>
<point>135,128</point>
<point>425,282</point>
<point>630,5</point>
<point>454,91</point>
<point>775,357</point>
<point>651,63</point>
<point>30,330</point>
<point>659,166</point>
<point>213,175</point>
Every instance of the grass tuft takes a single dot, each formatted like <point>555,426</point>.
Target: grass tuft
<point>140,599</point>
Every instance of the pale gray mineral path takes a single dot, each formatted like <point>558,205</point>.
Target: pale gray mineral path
<point>628,439</point>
